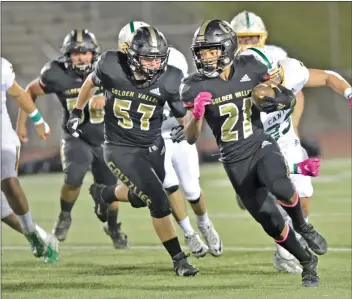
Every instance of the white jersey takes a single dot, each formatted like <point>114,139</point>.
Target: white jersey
<point>279,123</point>
<point>8,135</point>
<point>178,60</point>
<point>276,52</point>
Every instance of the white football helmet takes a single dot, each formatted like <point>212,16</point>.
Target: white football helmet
<point>248,24</point>
<point>275,69</point>
<point>127,31</point>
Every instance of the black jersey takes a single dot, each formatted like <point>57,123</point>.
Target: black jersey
<point>66,84</point>
<point>235,122</point>
<point>133,112</point>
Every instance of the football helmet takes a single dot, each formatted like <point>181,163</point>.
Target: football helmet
<point>80,41</point>
<point>147,43</point>
<point>275,69</point>
<point>214,35</point>
<point>248,24</point>
<point>126,32</point>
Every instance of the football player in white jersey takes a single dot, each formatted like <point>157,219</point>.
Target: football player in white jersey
<point>292,74</point>
<point>251,32</point>
<point>43,244</point>
<point>182,168</point>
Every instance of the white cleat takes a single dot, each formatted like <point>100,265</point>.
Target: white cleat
<point>196,245</point>
<point>289,266</point>
<point>51,245</point>
<point>212,239</point>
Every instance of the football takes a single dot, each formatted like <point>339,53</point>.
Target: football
<point>259,92</point>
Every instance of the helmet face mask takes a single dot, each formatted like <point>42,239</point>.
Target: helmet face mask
<point>80,49</point>
<point>214,47</point>
<point>147,53</point>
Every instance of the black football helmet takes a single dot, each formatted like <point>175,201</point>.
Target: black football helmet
<point>80,41</point>
<point>150,43</point>
<point>214,34</point>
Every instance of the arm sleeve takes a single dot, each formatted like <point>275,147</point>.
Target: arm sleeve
<point>97,74</point>
<point>174,101</point>
<point>7,75</point>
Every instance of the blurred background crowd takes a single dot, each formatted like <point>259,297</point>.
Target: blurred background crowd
<point>318,34</point>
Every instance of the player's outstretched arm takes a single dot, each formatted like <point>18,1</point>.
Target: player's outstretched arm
<point>331,79</point>
<point>25,102</point>
<point>34,90</point>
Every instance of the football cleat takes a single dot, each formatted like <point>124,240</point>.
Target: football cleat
<point>309,274</point>
<point>196,245</point>
<point>284,265</point>
<point>119,239</point>
<point>100,206</point>
<point>62,225</point>
<point>315,241</point>
<point>182,266</point>
<point>212,239</point>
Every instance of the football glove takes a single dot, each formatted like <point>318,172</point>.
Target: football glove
<point>73,122</point>
<point>177,134</point>
<point>284,99</point>
<point>202,99</point>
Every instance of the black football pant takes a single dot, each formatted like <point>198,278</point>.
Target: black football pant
<point>142,171</point>
<point>254,177</point>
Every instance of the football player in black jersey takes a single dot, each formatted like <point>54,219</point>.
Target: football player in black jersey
<point>220,93</point>
<point>134,148</point>
<point>64,77</point>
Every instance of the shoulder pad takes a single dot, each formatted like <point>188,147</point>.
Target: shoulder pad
<point>190,88</point>
<point>173,79</point>
<point>50,75</point>
<point>7,74</point>
<point>107,64</point>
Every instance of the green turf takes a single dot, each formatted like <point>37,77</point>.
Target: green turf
<point>100,271</point>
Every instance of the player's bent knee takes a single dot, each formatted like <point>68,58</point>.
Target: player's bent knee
<point>193,194</point>
<point>283,189</point>
<point>194,201</point>
<point>75,178</point>
<point>160,213</point>
<point>135,201</point>
<point>171,189</point>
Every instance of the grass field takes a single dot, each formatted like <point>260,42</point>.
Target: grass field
<point>91,268</point>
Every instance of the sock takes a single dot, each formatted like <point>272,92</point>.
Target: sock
<point>26,223</point>
<point>295,212</point>
<point>306,219</point>
<point>203,220</point>
<point>66,206</point>
<point>172,246</point>
<point>108,194</point>
<point>292,245</point>
<point>292,168</point>
<point>186,226</point>
<point>112,218</point>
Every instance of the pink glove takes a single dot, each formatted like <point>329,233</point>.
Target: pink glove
<point>202,99</point>
<point>309,167</point>
<point>350,100</point>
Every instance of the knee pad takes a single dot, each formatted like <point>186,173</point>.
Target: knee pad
<point>135,201</point>
<point>282,189</point>
<point>171,189</point>
<point>192,190</point>
<point>74,176</point>
<point>193,202</point>
<point>160,209</point>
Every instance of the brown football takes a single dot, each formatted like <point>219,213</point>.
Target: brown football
<point>260,91</point>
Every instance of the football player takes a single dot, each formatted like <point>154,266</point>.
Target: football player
<point>43,244</point>
<point>221,93</point>
<point>134,148</point>
<point>64,77</point>
<point>181,167</point>
<point>292,74</point>
<point>251,32</point>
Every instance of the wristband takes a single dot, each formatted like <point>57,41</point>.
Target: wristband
<point>348,93</point>
<point>36,117</point>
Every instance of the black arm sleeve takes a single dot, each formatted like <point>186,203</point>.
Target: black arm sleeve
<point>50,77</point>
